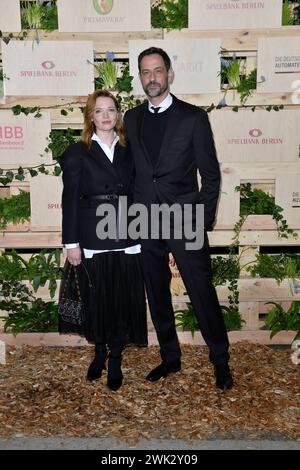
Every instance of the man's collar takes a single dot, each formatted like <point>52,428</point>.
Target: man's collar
<point>164,105</point>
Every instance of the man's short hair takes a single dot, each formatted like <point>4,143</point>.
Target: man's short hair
<point>155,50</point>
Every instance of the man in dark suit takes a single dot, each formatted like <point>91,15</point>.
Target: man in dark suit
<point>170,139</point>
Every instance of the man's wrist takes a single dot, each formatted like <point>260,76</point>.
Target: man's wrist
<point>68,246</point>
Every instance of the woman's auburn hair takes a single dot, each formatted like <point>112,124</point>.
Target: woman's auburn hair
<point>89,127</point>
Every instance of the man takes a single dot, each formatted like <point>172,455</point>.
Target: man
<point>170,139</point>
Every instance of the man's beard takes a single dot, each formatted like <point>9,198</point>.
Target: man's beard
<point>158,91</point>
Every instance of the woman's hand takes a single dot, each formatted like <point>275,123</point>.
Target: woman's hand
<point>74,256</point>
<point>172,261</point>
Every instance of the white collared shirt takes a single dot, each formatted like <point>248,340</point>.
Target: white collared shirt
<point>109,151</point>
<point>164,105</point>
<point>131,250</point>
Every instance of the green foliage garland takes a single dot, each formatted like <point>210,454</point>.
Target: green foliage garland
<point>14,209</point>
<point>170,14</point>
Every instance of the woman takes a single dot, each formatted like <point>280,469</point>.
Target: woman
<point>97,170</point>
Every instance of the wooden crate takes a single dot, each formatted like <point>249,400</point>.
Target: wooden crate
<point>257,231</point>
<point>242,42</point>
<point>253,295</point>
<point>239,40</point>
<point>235,173</point>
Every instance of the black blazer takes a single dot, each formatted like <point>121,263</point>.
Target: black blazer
<point>86,173</point>
<point>188,145</point>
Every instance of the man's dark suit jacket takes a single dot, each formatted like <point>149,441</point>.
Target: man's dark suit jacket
<point>188,145</point>
<point>89,172</point>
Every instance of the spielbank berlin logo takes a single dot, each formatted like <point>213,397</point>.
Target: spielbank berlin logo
<point>103,7</point>
<point>48,64</point>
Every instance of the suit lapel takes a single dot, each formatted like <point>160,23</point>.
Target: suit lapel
<point>100,157</point>
<point>118,162</point>
<point>169,131</point>
<point>140,126</point>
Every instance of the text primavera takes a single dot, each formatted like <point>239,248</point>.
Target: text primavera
<point>105,19</point>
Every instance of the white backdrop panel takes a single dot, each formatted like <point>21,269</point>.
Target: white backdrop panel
<point>56,68</point>
<point>23,139</point>
<point>234,14</point>
<point>196,63</point>
<point>104,15</point>
<point>278,60</point>
<point>259,136</point>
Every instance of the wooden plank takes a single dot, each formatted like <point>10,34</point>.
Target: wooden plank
<point>259,222</point>
<point>203,99</point>
<point>103,42</point>
<point>229,202</point>
<point>217,238</point>
<point>250,314</point>
<point>251,290</point>
<point>236,40</point>
<point>232,40</point>
<point>25,227</point>
<point>16,186</point>
<point>256,290</point>
<point>265,170</point>
<point>45,229</point>
<point>247,255</point>
<point>44,102</point>
<point>30,240</point>
<point>55,339</point>
<point>255,237</point>
<point>233,99</point>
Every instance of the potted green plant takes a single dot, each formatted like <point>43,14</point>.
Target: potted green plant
<point>25,313</point>
<point>169,14</point>
<point>279,319</point>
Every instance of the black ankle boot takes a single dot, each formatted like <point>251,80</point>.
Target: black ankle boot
<point>223,376</point>
<point>114,373</point>
<point>98,364</point>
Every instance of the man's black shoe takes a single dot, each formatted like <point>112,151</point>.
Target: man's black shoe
<point>163,370</point>
<point>223,376</point>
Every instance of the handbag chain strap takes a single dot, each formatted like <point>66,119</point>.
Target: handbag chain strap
<point>70,266</point>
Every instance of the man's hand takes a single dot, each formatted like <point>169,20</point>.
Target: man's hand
<point>74,256</point>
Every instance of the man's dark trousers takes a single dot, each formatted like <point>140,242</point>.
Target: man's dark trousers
<point>195,269</point>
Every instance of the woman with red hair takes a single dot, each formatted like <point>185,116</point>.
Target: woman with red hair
<point>98,170</point>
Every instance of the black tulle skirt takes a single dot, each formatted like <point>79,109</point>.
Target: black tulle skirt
<point>115,306</point>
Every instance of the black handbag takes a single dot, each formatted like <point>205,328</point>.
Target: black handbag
<point>70,309</point>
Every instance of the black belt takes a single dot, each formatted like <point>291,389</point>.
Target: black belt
<point>106,197</point>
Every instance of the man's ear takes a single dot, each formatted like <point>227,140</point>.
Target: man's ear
<point>171,75</point>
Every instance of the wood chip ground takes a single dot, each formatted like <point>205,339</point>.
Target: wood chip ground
<point>43,392</point>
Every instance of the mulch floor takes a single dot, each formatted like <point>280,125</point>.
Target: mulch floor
<point>43,392</point>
